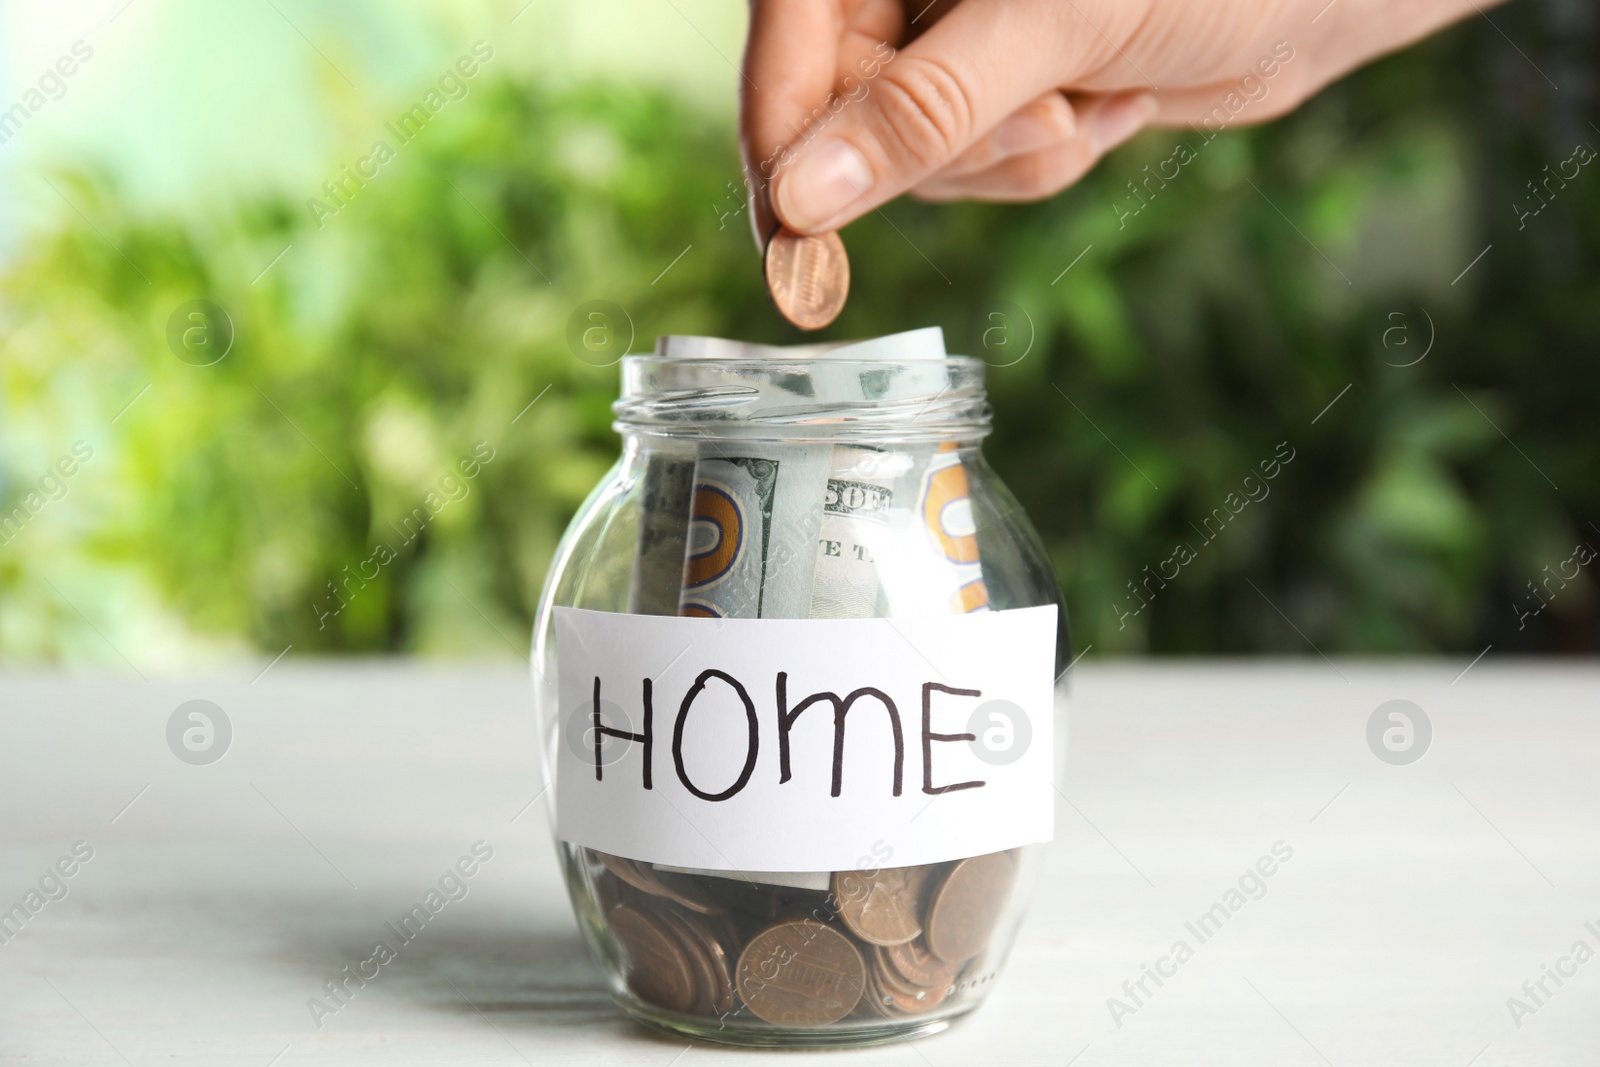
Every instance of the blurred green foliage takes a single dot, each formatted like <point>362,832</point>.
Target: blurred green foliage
<point>1285,269</point>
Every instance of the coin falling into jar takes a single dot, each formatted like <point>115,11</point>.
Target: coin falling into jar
<point>808,277</point>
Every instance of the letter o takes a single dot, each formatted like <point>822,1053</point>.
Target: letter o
<point>751,749</point>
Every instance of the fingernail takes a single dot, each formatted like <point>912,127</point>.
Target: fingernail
<point>822,183</point>
<point>1027,133</point>
<point>1121,119</point>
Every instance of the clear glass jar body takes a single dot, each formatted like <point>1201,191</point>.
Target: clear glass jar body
<point>684,951</point>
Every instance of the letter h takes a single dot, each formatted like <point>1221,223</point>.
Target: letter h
<point>602,732</point>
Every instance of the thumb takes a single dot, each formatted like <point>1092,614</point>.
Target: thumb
<point>929,102</point>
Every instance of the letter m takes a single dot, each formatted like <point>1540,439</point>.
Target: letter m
<point>841,708</point>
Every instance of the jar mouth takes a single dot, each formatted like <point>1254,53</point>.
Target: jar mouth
<point>803,399</point>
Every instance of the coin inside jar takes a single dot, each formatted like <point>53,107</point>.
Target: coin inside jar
<point>917,965</point>
<point>657,968</point>
<point>896,995</point>
<point>625,869</point>
<point>808,277</point>
<point>643,876</point>
<point>881,907</point>
<point>710,958</point>
<point>701,966</point>
<point>965,907</point>
<point>801,973</point>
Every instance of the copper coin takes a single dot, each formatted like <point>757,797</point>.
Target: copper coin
<point>890,997</point>
<point>964,909</point>
<point>679,889</point>
<point>894,979</point>
<point>919,1001</point>
<point>801,973</point>
<point>742,901</point>
<point>609,890</point>
<point>808,277</point>
<point>723,1000</point>
<point>624,869</point>
<point>711,959</point>
<point>644,877</point>
<point>905,997</point>
<point>722,931</point>
<point>881,907</point>
<point>876,1000</point>
<point>656,967</point>
<point>918,966</point>
<point>705,978</point>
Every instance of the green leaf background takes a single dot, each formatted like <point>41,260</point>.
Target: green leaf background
<point>1286,266</point>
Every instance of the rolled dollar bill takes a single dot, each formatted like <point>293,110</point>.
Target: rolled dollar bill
<point>753,521</point>
<point>665,488</point>
<point>944,509</point>
<point>839,373</point>
<point>856,509</point>
<point>900,367</point>
<point>860,493</point>
<point>924,343</point>
<point>754,543</point>
<point>937,568</point>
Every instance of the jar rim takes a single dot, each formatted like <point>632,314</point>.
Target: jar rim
<point>804,398</point>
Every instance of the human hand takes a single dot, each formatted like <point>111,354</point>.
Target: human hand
<point>849,103</point>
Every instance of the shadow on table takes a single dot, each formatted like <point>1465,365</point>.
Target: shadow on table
<point>478,970</point>
<point>544,971</point>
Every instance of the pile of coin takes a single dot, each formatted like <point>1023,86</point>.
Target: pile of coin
<point>886,944</point>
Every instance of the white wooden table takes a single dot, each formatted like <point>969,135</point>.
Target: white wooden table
<point>1418,898</point>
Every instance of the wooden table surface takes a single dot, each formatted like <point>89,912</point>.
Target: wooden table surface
<point>1417,902</point>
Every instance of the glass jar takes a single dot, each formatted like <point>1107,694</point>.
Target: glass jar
<point>804,525</point>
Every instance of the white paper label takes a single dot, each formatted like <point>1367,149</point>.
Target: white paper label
<point>805,744</point>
